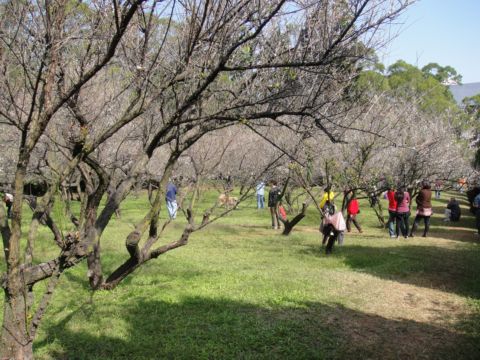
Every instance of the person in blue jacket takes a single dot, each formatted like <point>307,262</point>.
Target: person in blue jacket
<point>171,199</point>
<point>260,195</point>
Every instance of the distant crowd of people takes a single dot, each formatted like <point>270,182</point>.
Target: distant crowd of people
<point>333,224</point>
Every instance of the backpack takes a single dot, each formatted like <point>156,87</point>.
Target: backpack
<point>329,208</point>
<point>274,197</point>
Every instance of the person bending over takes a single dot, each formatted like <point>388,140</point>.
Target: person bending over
<point>453,211</point>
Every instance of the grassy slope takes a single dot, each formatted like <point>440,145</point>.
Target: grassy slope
<point>241,290</point>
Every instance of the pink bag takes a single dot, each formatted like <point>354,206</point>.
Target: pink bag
<point>337,221</point>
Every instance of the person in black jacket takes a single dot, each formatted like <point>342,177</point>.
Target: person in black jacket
<point>453,212</point>
<point>273,200</point>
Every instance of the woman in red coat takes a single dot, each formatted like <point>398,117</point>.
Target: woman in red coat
<point>352,210</point>
<point>392,211</point>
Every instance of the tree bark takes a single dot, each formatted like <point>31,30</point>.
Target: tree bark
<point>128,267</point>
<point>16,343</point>
<point>379,214</point>
<point>289,225</point>
<point>95,272</point>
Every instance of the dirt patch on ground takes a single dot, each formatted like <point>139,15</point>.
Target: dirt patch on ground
<point>369,336</point>
<point>420,315</point>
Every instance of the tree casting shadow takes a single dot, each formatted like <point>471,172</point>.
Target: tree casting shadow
<point>448,269</point>
<point>199,328</point>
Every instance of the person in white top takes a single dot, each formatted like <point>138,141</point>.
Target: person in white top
<point>8,200</point>
<point>261,195</point>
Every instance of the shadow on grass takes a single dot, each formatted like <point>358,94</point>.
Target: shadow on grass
<point>448,269</point>
<point>199,328</point>
<point>167,271</point>
<point>458,233</point>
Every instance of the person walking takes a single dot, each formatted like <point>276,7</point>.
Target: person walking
<point>424,209</point>
<point>273,200</point>
<point>438,189</point>
<point>261,195</point>
<point>402,197</point>
<point>333,230</point>
<point>171,199</point>
<point>353,209</point>
<point>392,212</point>
<point>373,197</point>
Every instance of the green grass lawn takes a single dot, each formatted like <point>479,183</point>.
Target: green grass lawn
<point>240,290</point>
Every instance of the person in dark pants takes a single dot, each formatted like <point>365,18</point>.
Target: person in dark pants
<point>330,235</point>
<point>273,200</point>
<point>424,209</point>
<point>333,229</point>
<point>402,197</point>
<point>438,189</point>
<point>392,211</point>
<point>352,211</point>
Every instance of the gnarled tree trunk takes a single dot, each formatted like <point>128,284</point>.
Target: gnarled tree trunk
<point>16,342</point>
<point>289,225</point>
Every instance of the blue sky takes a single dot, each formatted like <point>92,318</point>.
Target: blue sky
<point>443,31</point>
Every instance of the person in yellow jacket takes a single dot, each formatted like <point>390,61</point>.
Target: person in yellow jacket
<point>327,200</point>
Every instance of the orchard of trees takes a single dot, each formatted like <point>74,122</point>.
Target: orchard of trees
<point>117,94</point>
